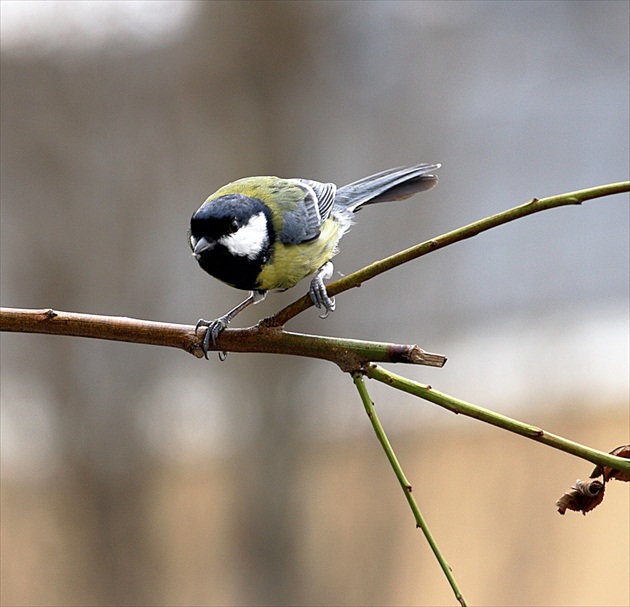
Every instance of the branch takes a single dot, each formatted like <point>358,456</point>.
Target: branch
<point>455,405</point>
<point>348,354</point>
<point>404,483</point>
<point>533,206</point>
<point>268,336</point>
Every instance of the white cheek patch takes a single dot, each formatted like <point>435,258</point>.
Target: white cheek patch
<point>249,240</point>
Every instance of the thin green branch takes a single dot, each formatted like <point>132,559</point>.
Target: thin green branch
<point>404,483</point>
<point>533,206</point>
<point>459,406</point>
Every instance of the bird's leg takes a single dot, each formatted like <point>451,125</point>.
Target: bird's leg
<point>318,292</point>
<point>215,327</point>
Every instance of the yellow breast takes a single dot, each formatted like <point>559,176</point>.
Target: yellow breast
<point>291,263</point>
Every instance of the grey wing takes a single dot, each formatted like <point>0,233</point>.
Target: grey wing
<point>303,223</point>
<point>390,185</point>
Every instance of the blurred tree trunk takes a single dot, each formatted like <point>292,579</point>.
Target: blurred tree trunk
<point>101,141</point>
<point>267,46</point>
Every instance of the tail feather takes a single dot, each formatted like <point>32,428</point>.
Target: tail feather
<point>387,186</point>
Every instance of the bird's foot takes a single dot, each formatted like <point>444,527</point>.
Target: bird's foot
<point>319,294</point>
<point>214,328</point>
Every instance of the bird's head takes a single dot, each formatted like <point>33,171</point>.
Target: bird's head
<point>230,237</point>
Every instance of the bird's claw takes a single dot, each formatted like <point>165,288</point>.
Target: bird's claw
<point>214,328</point>
<point>319,296</point>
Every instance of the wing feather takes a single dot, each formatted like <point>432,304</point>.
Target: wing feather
<point>303,223</point>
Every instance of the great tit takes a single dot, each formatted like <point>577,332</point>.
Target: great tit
<point>264,233</point>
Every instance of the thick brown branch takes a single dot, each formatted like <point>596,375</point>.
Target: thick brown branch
<point>348,354</point>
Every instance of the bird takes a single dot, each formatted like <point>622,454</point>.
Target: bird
<point>266,233</point>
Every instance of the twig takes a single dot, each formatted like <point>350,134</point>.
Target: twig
<point>456,405</point>
<point>404,483</point>
<point>533,206</point>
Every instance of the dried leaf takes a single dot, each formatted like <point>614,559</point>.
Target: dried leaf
<point>608,472</point>
<point>582,497</point>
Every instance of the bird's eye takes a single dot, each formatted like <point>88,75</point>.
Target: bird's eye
<point>233,227</point>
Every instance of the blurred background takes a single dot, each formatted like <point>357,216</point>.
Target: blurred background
<point>136,475</point>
